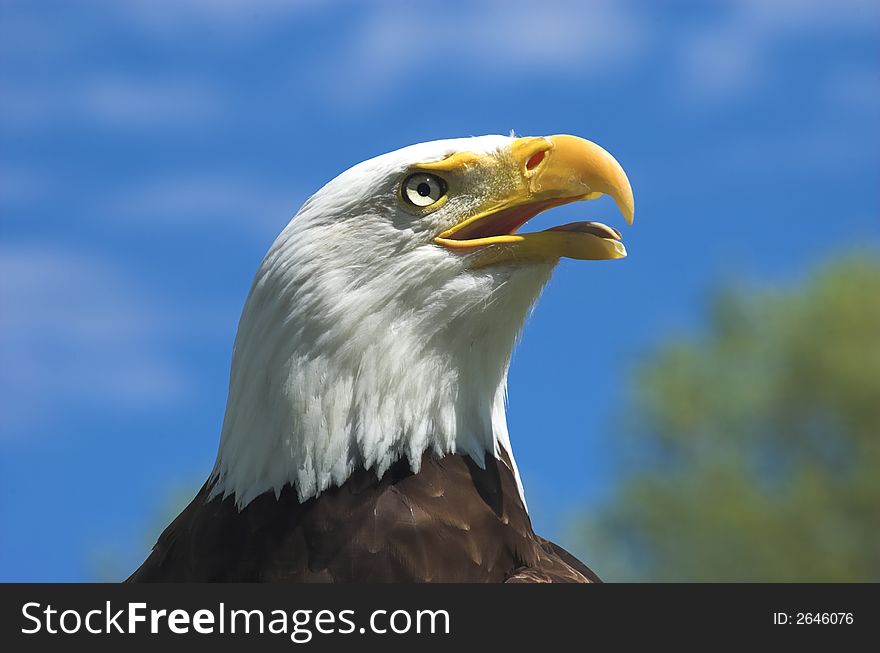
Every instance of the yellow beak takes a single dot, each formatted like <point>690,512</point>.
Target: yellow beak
<point>550,172</point>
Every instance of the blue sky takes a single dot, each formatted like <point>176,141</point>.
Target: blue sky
<point>150,152</point>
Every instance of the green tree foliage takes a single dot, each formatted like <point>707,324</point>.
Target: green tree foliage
<point>753,452</point>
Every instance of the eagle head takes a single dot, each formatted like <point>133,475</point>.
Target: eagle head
<point>381,322</point>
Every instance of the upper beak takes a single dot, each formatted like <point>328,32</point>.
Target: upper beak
<point>553,171</point>
<point>579,169</point>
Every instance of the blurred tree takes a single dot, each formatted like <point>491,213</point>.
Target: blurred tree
<point>753,452</point>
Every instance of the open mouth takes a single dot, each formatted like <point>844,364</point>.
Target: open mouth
<point>503,226</point>
<point>490,229</point>
<point>555,170</point>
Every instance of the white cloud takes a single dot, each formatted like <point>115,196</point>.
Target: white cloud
<point>421,47</point>
<point>74,331</point>
<point>237,202</point>
<point>388,47</point>
<point>233,18</point>
<point>115,102</point>
<point>730,56</point>
<point>138,103</point>
<point>205,200</point>
<point>724,54</point>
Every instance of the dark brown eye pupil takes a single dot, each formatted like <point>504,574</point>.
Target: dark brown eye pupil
<point>423,189</point>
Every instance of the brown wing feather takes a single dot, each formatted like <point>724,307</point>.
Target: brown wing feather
<point>452,522</point>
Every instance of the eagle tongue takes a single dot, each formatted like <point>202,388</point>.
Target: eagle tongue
<point>595,228</point>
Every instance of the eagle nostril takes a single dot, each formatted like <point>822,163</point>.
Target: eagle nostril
<point>535,159</point>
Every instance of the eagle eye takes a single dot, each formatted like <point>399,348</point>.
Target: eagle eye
<point>422,189</point>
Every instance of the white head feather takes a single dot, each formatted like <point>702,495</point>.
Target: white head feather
<point>362,342</point>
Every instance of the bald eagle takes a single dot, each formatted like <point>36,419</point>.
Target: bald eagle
<point>365,436</point>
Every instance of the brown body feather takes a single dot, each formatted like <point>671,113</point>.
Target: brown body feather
<point>451,522</point>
